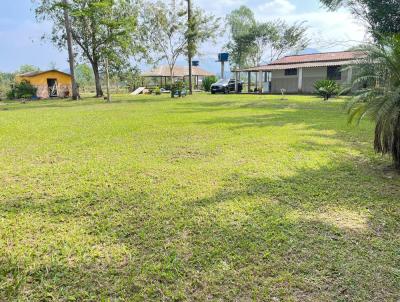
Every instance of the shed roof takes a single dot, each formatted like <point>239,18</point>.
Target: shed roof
<point>311,60</point>
<point>35,73</point>
<point>178,71</point>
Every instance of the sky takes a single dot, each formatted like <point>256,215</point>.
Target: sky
<point>22,44</point>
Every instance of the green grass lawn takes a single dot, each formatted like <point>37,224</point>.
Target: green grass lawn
<point>206,198</point>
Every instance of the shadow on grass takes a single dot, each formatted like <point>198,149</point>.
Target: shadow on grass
<point>14,106</point>
<point>321,234</point>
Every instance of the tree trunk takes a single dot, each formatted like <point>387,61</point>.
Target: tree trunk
<point>190,46</point>
<point>172,82</point>
<point>396,144</point>
<point>95,67</point>
<point>75,94</point>
<point>108,83</point>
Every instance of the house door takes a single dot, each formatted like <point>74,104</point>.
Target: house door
<point>52,84</point>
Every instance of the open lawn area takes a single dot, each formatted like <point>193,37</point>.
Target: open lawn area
<point>206,198</point>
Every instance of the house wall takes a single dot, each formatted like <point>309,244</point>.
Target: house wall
<point>310,76</point>
<point>280,81</point>
<point>64,83</point>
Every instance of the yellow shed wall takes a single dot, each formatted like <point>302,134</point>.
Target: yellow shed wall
<point>64,83</point>
<point>41,79</point>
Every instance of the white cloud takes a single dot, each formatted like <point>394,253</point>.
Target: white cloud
<point>276,7</point>
<point>331,30</point>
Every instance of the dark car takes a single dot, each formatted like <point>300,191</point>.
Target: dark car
<point>226,86</point>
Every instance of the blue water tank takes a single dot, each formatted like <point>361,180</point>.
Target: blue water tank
<point>223,57</point>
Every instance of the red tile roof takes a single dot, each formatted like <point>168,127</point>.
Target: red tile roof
<point>311,60</point>
<point>319,57</point>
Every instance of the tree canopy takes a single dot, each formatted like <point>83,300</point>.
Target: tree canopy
<point>382,16</point>
<point>167,35</point>
<point>253,43</point>
<point>100,29</point>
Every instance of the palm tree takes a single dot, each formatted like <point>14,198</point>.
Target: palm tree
<point>377,79</point>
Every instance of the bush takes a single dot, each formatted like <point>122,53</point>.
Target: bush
<point>157,91</point>
<point>208,81</point>
<point>177,88</point>
<point>326,88</point>
<point>21,90</point>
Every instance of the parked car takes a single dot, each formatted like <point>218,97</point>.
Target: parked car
<point>226,86</point>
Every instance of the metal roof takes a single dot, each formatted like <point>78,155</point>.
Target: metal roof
<point>35,73</point>
<point>178,71</point>
<point>311,60</point>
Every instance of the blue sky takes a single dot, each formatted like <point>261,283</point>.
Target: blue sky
<point>21,34</point>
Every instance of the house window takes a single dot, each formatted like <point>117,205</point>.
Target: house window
<point>334,73</point>
<point>291,72</point>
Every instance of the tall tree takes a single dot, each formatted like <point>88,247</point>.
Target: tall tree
<point>201,27</point>
<point>379,73</point>
<point>27,68</point>
<point>253,43</point>
<point>168,33</point>
<point>164,32</point>
<point>99,28</point>
<point>381,16</point>
<point>84,76</point>
<point>190,43</point>
<point>274,39</point>
<point>71,58</point>
<point>240,23</point>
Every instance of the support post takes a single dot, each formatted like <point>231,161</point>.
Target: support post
<point>248,81</point>
<point>236,82</point>
<point>222,69</point>
<point>300,78</point>
<point>260,82</point>
<point>350,75</point>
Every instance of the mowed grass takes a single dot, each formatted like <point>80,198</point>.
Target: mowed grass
<point>206,198</point>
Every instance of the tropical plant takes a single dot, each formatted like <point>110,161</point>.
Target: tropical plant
<point>377,79</point>
<point>326,88</point>
<point>208,81</point>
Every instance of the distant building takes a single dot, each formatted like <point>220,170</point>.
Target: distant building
<point>50,83</point>
<point>297,74</point>
<point>160,76</point>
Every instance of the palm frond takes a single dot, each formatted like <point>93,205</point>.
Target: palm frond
<point>377,96</point>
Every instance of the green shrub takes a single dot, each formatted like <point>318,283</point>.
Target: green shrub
<point>208,81</point>
<point>177,88</point>
<point>10,95</point>
<point>157,91</point>
<point>21,90</point>
<point>326,88</point>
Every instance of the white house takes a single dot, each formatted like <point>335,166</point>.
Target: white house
<point>297,74</point>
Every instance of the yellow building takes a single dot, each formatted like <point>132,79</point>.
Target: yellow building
<point>50,83</point>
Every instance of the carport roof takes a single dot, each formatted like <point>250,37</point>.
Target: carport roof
<point>178,71</point>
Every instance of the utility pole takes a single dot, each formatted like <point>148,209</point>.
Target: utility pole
<point>75,94</point>
<point>190,44</point>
